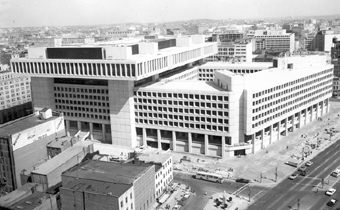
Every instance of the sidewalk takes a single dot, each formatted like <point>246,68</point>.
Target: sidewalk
<point>266,163</point>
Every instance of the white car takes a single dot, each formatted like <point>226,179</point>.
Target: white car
<point>186,195</point>
<point>176,207</point>
<point>330,191</point>
<point>309,163</point>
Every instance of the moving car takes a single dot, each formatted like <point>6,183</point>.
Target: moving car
<point>293,176</point>
<point>304,173</point>
<point>309,163</point>
<point>332,202</point>
<point>330,191</point>
<point>336,173</point>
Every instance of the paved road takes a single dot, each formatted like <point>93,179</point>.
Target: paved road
<point>198,200</point>
<point>305,192</point>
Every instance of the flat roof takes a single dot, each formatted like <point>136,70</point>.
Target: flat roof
<point>23,124</point>
<point>30,202</point>
<point>108,171</point>
<point>11,197</point>
<point>61,158</point>
<point>254,65</point>
<point>58,143</point>
<point>156,158</point>
<point>186,85</point>
<point>97,186</point>
<point>273,77</point>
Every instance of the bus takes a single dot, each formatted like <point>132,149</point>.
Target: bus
<point>209,177</point>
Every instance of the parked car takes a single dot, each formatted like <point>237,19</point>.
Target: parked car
<point>332,202</point>
<point>242,180</point>
<point>330,191</point>
<point>293,176</point>
<point>336,173</point>
<point>302,168</point>
<point>186,195</point>
<point>176,207</point>
<point>309,163</point>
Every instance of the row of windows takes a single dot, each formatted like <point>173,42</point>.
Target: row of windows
<point>85,115</point>
<point>182,118</point>
<point>183,125</point>
<point>81,90</point>
<point>182,96</point>
<point>81,102</point>
<point>84,109</point>
<point>81,96</point>
<point>170,110</point>
<point>143,101</point>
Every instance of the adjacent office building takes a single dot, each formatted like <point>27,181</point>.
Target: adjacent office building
<point>239,51</point>
<point>15,96</point>
<point>154,94</point>
<point>274,39</point>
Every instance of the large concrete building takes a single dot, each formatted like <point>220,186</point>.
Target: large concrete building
<point>240,51</point>
<point>163,101</point>
<point>274,39</point>
<point>99,185</point>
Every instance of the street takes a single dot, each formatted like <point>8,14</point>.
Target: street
<point>305,192</point>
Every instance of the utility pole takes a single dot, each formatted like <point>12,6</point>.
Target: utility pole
<point>261,176</point>
<point>298,204</point>
<point>322,182</point>
<point>303,153</point>
<point>275,174</point>
<point>249,193</point>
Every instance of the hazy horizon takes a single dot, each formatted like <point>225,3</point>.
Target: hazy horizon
<point>26,13</point>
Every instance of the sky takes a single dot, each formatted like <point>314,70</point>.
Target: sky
<point>25,13</point>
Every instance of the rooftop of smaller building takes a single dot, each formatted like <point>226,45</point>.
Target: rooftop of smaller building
<point>59,142</point>
<point>31,202</point>
<point>97,186</point>
<point>12,197</point>
<point>61,158</point>
<point>107,171</point>
<point>24,123</point>
<point>156,158</point>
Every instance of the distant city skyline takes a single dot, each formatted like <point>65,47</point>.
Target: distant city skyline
<point>18,13</point>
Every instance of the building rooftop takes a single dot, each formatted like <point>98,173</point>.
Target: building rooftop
<point>59,142</point>
<point>61,158</point>
<point>156,158</point>
<point>97,186</point>
<point>31,202</point>
<point>24,124</point>
<point>273,77</point>
<point>17,194</point>
<point>252,65</point>
<point>185,85</point>
<point>107,171</point>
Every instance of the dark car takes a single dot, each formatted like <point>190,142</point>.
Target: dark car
<point>241,180</point>
<point>332,202</point>
<point>304,173</point>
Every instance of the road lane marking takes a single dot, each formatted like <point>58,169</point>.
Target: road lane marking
<point>334,183</point>
<point>257,194</point>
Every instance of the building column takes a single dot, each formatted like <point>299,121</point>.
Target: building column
<point>67,127</point>
<point>104,132</point>
<point>293,123</point>
<point>144,137</point>
<point>253,140</point>
<point>206,144</point>
<point>286,126</point>
<point>279,130</point>
<point>317,111</point>
<point>300,121</point>
<point>311,114</point>
<point>306,113</point>
<point>322,108</point>
<point>271,134</point>
<point>327,105</point>
<point>159,139</point>
<point>262,139</point>
<point>79,125</point>
<point>91,131</point>
<point>190,142</point>
<point>174,148</point>
<point>223,146</point>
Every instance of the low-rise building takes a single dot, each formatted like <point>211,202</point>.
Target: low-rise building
<point>23,145</point>
<point>94,185</point>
